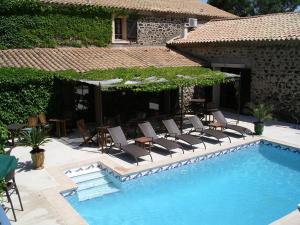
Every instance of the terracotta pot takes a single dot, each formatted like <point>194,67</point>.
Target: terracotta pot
<point>38,160</point>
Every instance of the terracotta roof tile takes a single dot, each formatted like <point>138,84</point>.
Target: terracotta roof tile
<point>85,59</point>
<point>193,7</point>
<point>272,27</point>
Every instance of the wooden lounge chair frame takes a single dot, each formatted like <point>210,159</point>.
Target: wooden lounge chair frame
<point>86,134</point>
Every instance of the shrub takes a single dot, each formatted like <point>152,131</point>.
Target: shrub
<point>3,137</point>
<point>24,92</point>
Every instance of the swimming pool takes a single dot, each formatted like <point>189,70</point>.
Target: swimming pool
<point>253,186</point>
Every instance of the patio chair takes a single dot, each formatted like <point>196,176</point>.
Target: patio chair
<point>173,131</point>
<point>85,133</point>
<point>199,128</point>
<point>218,115</point>
<point>167,145</point>
<point>32,121</point>
<point>121,142</point>
<point>43,121</point>
<point>10,187</point>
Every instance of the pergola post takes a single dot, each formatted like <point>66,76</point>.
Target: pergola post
<point>239,98</point>
<point>98,105</point>
<point>181,109</point>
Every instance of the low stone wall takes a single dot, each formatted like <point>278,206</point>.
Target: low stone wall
<point>157,29</point>
<point>275,72</point>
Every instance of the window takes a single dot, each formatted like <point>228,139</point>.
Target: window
<point>118,28</point>
<point>125,30</point>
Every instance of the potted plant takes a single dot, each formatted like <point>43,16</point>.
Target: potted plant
<point>262,113</point>
<point>35,138</point>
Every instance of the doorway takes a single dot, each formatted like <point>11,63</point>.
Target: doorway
<point>229,96</point>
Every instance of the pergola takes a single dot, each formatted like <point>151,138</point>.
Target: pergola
<point>143,84</point>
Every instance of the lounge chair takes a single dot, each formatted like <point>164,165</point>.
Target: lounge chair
<point>120,142</point>
<point>167,145</point>
<point>218,115</point>
<point>86,134</point>
<point>173,131</point>
<point>199,128</point>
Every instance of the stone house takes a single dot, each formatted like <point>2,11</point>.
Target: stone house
<point>265,50</point>
<point>154,22</point>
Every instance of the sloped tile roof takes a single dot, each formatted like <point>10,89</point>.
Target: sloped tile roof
<point>272,27</point>
<point>193,7</point>
<point>85,59</point>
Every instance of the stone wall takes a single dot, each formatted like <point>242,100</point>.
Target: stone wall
<point>275,72</point>
<point>157,29</point>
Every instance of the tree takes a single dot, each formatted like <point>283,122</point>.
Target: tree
<point>255,7</point>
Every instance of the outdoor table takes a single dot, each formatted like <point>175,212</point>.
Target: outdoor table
<point>102,136</point>
<point>14,130</point>
<point>144,142</point>
<point>216,125</point>
<point>7,165</point>
<point>61,127</point>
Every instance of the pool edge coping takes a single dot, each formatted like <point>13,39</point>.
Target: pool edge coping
<point>69,215</point>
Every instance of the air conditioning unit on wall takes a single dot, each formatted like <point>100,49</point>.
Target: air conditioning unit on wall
<point>193,22</point>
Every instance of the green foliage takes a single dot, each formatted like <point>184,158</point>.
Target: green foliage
<point>30,23</point>
<point>255,7</point>
<point>261,112</point>
<point>24,92</point>
<point>189,76</point>
<point>34,138</point>
<point>3,137</point>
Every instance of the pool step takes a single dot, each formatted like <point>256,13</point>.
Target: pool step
<point>96,191</point>
<point>92,183</point>
<point>88,176</point>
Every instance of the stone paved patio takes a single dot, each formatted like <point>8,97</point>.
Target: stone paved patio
<point>38,187</point>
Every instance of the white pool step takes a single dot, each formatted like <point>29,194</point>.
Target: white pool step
<point>92,183</point>
<point>96,191</point>
<point>88,176</point>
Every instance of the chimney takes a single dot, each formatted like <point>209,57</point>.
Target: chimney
<point>185,31</point>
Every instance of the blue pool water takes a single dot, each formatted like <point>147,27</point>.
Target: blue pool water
<point>254,186</point>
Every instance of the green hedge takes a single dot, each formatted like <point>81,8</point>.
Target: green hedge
<point>24,92</point>
<point>30,23</point>
<point>3,137</point>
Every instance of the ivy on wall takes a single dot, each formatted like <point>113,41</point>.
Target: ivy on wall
<point>31,23</point>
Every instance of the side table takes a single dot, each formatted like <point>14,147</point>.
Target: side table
<point>102,136</point>
<point>61,127</point>
<point>216,125</point>
<point>144,142</point>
